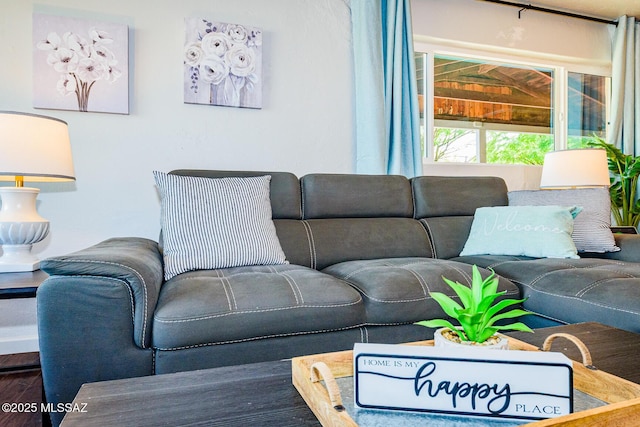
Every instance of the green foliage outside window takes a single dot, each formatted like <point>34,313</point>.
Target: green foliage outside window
<point>525,148</point>
<point>502,146</point>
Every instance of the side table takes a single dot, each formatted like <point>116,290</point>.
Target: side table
<point>20,377</point>
<point>20,285</point>
<point>18,330</point>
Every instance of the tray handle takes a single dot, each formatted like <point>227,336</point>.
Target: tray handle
<point>584,351</point>
<point>320,371</point>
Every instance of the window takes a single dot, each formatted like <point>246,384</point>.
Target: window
<point>499,112</point>
<point>587,108</point>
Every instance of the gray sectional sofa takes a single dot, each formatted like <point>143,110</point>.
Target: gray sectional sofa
<point>363,254</point>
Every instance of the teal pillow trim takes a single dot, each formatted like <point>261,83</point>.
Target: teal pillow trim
<point>534,231</point>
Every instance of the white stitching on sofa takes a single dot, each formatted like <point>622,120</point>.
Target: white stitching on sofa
<point>428,239</point>
<point>209,344</point>
<point>301,181</point>
<point>312,243</point>
<point>385,301</point>
<point>545,316</point>
<point>580,299</point>
<point>462,273</point>
<point>295,290</point>
<point>269,270</point>
<point>386,263</point>
<point>593,285</point>
<point>262,310</point>
<point>258,338</point>
<point>225,284</point>
<point>429,234</point>
<point>405,267</point>
<point>144,289</point>
<point>574,267</point>
<point>423,283</point>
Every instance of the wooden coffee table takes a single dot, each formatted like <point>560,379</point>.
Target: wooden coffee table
<point>262,394</point>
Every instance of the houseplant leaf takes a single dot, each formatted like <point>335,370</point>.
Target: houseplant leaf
<point>477,316</point>
<point>518,326</point>
<point>448,305</point>
<point>508,315</point>
<point>441,323</point>
<point>463,292</point>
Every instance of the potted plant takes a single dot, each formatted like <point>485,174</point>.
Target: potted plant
<point>478,314</point>
<point>625,170</point>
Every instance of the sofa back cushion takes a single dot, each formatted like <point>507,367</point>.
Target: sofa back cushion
<point>337,240</point>
<point>445,206</point>
<point>350,217</point>
<point>355,196</point>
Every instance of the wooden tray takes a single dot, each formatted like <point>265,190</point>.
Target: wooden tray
<point>622,396</point>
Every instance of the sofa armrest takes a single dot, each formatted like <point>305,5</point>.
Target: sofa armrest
<point>135,261</point>
<point>629,245</point>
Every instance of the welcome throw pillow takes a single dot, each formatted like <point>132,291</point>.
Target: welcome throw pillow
<point>534,231</point>
<point>210,223</point>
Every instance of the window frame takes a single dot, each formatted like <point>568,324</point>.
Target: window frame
<point>561,67</point>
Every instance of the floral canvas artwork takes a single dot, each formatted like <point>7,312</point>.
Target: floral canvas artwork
<point>222,64</point>
<point>80,65</point>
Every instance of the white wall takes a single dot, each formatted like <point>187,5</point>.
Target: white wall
<point>493,27</point>
<point>305,124</point>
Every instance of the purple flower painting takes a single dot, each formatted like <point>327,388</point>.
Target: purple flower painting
<point>223,64</point>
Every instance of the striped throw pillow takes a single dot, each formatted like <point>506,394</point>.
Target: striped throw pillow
<point>591,229</point>
<point>210,223</point>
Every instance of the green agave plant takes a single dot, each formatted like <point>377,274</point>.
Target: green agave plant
<point>478,314</point>
<point>625,170</point>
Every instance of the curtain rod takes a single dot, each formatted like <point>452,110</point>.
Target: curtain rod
<point>557,12</point>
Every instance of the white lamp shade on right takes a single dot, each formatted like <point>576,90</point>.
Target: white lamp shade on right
<point>578,168</point>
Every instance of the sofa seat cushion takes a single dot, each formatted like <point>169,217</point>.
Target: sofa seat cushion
<point>210,307</point>
<point>575,290</point>
<point>396,290</point>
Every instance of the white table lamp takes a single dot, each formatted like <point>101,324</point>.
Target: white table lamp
<point>580,168</point>
<point>33,148</point>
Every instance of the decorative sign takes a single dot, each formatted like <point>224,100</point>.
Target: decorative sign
<point>526,385</point>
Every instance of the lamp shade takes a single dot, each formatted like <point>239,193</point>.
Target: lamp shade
<point>575,168</point>
<point>34,147</point>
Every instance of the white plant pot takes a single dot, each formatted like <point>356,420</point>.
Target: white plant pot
<point>440,341</point>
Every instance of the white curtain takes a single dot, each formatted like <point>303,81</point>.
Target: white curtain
<point>624,131</point>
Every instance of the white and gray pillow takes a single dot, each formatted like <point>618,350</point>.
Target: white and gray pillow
<point>591,230</point>
<point>210,223</point>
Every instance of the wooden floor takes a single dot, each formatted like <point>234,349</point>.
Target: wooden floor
<point>20,383</point>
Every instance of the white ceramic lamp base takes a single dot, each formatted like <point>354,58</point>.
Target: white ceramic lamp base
<point>20,227</point>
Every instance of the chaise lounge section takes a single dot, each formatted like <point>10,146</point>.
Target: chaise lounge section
<point>363,253</point>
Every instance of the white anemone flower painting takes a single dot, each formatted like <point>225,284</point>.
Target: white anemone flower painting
<point>222,64</point>
<point>80,65</point>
